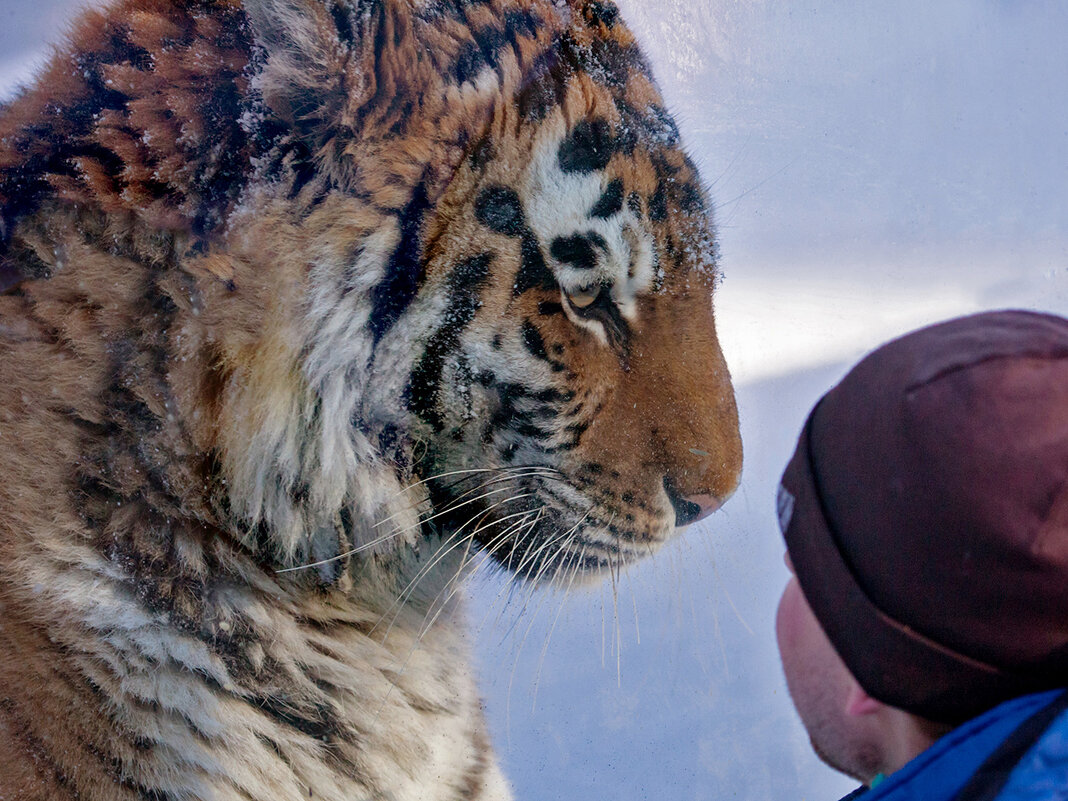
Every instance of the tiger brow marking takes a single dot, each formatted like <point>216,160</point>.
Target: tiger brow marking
<point>500,209</point>
<point>533,342</point>
<point>546,86</point>
<point>588,148</point>
<point>578,250</point>
<point>610,202</point>
<point>533,271</point>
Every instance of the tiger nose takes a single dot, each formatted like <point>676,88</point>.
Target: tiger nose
<point>690,508</point>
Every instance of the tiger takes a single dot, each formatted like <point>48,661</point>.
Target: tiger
<point>312,308</point>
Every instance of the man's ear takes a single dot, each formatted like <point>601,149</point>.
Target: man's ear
<point>859,703</point>
<point>319,60</point>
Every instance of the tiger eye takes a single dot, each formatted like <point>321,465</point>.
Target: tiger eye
<point>584,296</point>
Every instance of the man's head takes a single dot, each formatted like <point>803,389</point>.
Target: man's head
<point>925,513</point>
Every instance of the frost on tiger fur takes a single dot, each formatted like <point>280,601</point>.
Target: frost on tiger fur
<point>309,306</point>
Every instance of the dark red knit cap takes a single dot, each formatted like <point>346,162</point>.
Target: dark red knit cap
<point>925,511</point>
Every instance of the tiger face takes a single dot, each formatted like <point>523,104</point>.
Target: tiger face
<point>577,374</point>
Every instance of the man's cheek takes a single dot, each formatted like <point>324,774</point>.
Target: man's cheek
<point>786,618</point>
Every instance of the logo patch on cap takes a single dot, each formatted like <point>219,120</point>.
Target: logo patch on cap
<point>784,507</point>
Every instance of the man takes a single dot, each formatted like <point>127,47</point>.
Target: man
<point>924,635</point>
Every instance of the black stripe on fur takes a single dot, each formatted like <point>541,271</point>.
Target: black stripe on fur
<point>395,293</point>
<point>424,388</point>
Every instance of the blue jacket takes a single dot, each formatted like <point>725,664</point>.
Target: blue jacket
<point>1017,751</point>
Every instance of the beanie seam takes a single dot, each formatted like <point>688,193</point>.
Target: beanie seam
<point>1056,355</point>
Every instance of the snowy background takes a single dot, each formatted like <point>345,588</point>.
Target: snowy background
<point>876,166</point>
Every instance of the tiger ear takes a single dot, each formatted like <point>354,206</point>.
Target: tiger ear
<point>318,60</point>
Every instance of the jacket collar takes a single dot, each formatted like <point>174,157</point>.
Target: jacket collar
<point>960,758</point>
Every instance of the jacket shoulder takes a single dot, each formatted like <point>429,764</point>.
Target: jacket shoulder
<point>1042,772</point>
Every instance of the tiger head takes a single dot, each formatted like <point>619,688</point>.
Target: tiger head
<point>583,371</point>
<point>508,267</point>
<point>447,269</point>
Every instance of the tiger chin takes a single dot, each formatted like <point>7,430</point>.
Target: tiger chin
<point>311,306</point>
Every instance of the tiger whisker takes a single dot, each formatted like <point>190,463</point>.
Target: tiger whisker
<point>435,514</point>
<point>604,629</point>
<point>429,621</point>
<point>634,604</point>
<point>512,579</point>
<point>419,523</point>
<point>555,473</point>
<point>454,538</point>
<point>549,472</point>
<point>378,540</point>
<point>428,626</point>
<point>516,573</point>
<point>454,586</point>
<point>518,473</point>
<point>414,507</point>
<point>534,616</point>
<point>530,556</point>
<point>362,547</point>
<point>452,505</point>
<point>491,547</point>
<point>571,531</point>
<point>552,628</point>
<point>449,543</point>
<point>614,573</point>
<point>414,484</point>
<point>497,480</point>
